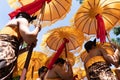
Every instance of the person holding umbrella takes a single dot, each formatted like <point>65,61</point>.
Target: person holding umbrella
<point>97,63</point>
<point>58,71</point>
<point>12,36</point>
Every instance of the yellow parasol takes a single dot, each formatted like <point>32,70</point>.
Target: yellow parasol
<point>55,38</point>
<point>86,18</point>
<point>64,37</point>
<point>38,59</point>
<point>53,11</point>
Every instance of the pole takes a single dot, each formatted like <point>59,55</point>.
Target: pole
<point>22,77</point>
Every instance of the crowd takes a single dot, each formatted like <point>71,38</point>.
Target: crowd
<point>97,63</point>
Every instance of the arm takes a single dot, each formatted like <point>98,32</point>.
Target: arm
<point>109,58</point>
<point>27,35</point>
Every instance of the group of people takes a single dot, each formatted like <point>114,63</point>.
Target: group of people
<point>97,63</point>
<point>58,71</point>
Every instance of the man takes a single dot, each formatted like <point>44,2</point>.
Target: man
<point>97,63</point>
<point>58,71</point>
<point>11,38</point>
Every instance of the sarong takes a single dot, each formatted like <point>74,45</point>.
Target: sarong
<point>9,46</point>
<point>100,71</point>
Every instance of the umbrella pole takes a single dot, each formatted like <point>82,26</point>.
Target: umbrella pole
<point>108,37</point>
<point>22,77</point>
<point>65,51</point>
<point>66,57</point>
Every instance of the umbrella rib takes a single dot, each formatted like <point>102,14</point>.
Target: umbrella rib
<point>82,12</point>
<point>95,25</point>
<point>67,1</point>
<point>50,12</point>
<point>52,40</point>
<point>85,7</point>
<point>111,3</point>
<point>42,14</point>
<point>84,24</point>
<point>98,3</point>
<point>103,2</point>
<point>73,42</point>
<point>61,6</point>
<point>56,9</point>
<point>58,44</point>
<point>94,3</point>
<point>110,14</point>
<point>108,21</point>
<point>89,26</point>
<point>80,18</point>
<point>89,4</point>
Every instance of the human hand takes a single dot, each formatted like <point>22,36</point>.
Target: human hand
<point>68,63</point>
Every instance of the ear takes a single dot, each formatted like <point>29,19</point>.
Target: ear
<point>94,41</point>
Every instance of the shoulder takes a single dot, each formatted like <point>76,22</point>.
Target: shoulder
<point>22,20</point>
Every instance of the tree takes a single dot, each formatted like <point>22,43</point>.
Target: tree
<point>80,1</point>
<point>116,31</point>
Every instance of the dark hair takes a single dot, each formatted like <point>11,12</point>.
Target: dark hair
<point>88,45</point>
<point>26,15</point>
<point>60,60</point>
<point>42,69</point>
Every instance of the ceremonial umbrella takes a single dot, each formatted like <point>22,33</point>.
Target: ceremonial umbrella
<point>37,60</point>
<point>51,12</point>
<point>55,38</point>
<point>97,16</point>
<point>45,10</point>
<point>63,37</point>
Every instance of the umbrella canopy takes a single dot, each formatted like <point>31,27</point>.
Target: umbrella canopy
<point>38,59</point>
<point>86,18</point>
<point>53,11</point>
<point>56,37</point>
<point>70,57</point>
<point>106,46</point>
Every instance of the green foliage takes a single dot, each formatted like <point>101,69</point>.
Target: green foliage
<point>116,30</point>
<point>80,1</point>
<point>16,78</point>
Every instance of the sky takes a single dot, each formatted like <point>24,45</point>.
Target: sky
<point>5,9</point>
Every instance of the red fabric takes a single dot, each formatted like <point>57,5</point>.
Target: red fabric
<point>57,54</point>
<point>101,33</point>
<point>29,8</point>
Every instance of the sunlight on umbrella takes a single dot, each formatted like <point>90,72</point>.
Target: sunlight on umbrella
<point>56,36</point>
<point>86,18</point>
<point>52,12</point>
<point>38,59</point>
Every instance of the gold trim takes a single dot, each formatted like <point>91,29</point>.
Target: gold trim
<point>94,60</point>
